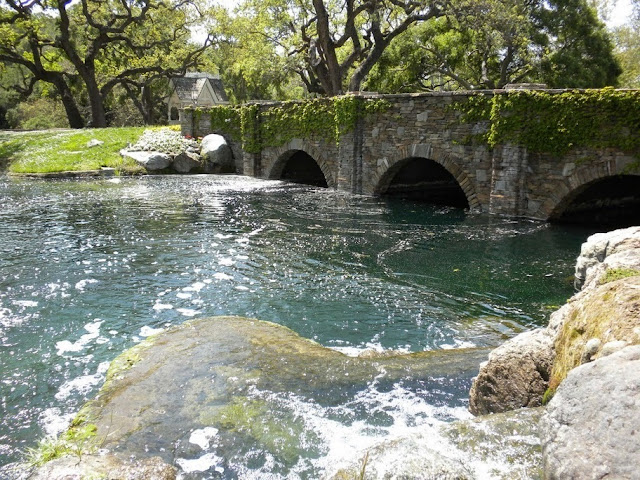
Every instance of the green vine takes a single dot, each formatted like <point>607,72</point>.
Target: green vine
<point>274,125</point>
<point>554,123</point>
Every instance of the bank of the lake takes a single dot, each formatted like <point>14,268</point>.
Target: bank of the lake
<point>49,151</point>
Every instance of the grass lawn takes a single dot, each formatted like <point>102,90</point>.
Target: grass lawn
<point>66,150</point>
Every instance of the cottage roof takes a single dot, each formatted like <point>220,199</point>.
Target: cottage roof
<point>191,85</point>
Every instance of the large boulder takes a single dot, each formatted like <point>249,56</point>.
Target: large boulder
<point>607,251</point>
<point>602,317</point>
<point>186,162</point>
<point>216,154</point>
<point>590,429</point>
<point>152,161</point>
<point>516,374</point>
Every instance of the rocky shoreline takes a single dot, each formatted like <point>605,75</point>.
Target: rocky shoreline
<point>582,372</point>
<point>167,150</point>
<point>585,364</point>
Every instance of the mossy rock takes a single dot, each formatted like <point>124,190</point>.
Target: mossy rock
<point>609,312</point>
<point>229,374</point>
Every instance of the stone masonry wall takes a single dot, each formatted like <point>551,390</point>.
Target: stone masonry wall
<point>507,180</point>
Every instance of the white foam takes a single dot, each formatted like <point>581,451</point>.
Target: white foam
<point>203,437</point>
<point>184,295</point>
<point>242,288</point>
<point>457,344</point>
<point>222,276</point>
<point>83,384</point>
<point>25,303</point>
<point>352,351</point>
<point>201,464</point>
<point>82,284</point>
<point>162,306</point>
<point>226,261</point>
<point>54,422</point>
<point>147,331</point>
<point>187,312</point>
<point>93,328</point>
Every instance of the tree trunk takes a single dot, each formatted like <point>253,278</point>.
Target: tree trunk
<point>98,114</point>
<point>147,103</point>
<point>70,106</point>
<point>328,51</point>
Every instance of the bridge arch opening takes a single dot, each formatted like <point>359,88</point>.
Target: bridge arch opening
<point>608,202</point>
<point>298,166</point>
<point>424,180</point>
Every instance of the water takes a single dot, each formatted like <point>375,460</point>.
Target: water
<point>89,268</point>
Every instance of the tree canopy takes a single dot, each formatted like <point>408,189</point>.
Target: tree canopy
<point>98,44</point>
<point>487,44</point>
<point>96,53</point>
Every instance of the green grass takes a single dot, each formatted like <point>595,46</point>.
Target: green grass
<point>67,150</point>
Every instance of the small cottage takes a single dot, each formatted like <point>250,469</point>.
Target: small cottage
<point>194,90</point>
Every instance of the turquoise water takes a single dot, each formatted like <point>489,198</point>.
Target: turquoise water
<point>89,268</point>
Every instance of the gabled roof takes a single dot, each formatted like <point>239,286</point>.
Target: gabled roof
<point>191,85</point>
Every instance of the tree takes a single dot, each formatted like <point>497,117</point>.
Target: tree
<point>103,43</point>
<point>490,43</point>
<point>627,40</point>
<point>332,46</point>
<point>247,51</point>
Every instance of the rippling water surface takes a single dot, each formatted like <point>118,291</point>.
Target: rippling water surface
<point>89,268</point>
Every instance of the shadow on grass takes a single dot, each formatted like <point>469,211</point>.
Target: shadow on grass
<point>8,149</point>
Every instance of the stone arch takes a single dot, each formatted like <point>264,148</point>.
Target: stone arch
<point>277,159</point>
<point>592,193</point>
<point>388,168</point>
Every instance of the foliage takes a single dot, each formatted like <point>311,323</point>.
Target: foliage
<point>164,140</point>
<point>555,122</point>
<point>486,44</point>
<point>613,274</point>
<point>88,48</point>
<point>327,119</point>
<point>329,46</point>
<point>37,114</point>
<point>627,39</point>
<point>57,151</point>
<point>78,440</point>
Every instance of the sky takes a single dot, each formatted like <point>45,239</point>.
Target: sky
<point>620,14</point>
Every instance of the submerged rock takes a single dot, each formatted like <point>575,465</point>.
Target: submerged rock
<point>104,467</point>
<point>501,446</point>
<point>204,395</point>
<point>590,428</point>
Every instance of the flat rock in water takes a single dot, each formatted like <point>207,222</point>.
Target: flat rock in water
<point>213,385</point>
<point>150,160</point>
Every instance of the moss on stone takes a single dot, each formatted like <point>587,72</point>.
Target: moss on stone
<point>610,312</point>
<point>614,274</point>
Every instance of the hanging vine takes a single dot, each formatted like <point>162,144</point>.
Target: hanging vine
<point>274,125</point>
<point>554,123</point>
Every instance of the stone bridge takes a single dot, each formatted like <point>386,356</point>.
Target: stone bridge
<point>418,148</point>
